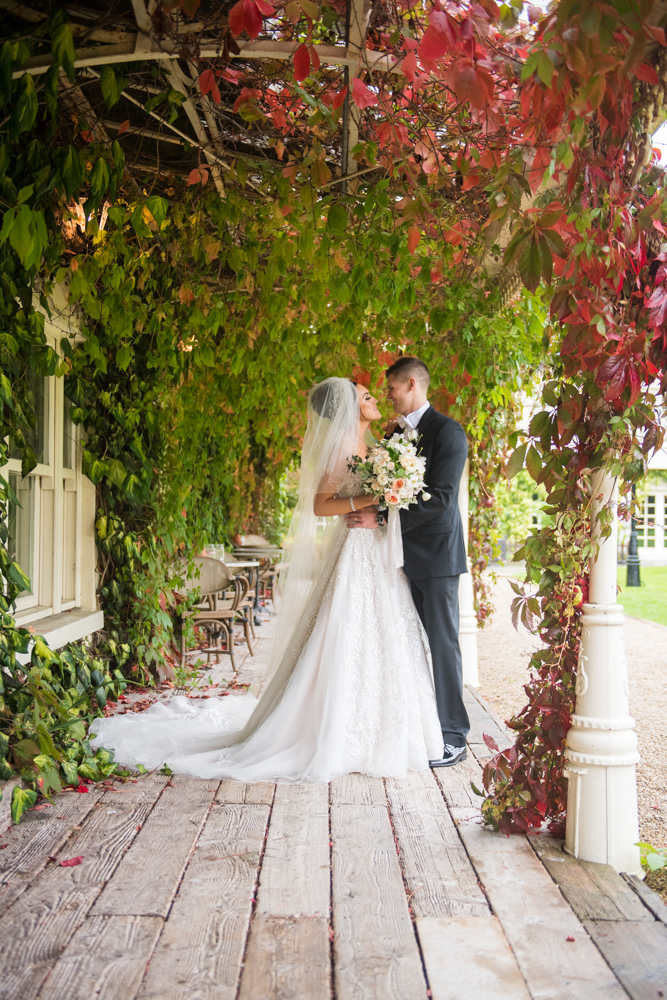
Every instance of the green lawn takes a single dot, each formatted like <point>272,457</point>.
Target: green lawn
<point>648,601</point>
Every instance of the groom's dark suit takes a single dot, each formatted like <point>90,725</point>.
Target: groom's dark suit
<point>434,556</point>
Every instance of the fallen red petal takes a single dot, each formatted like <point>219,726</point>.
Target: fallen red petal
<point>71,862</point>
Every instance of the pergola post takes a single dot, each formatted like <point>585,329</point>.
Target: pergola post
<point>602,819</point>
<point>467,617</point>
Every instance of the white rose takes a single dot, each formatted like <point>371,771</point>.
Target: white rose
<point>425,495</point>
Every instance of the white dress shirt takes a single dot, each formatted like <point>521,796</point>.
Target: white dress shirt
<point>413,418</point>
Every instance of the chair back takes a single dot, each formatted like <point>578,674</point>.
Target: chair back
<point>251,541</point>
<point>213,577</point>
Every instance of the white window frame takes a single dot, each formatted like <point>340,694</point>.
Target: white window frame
<point>46,598</point>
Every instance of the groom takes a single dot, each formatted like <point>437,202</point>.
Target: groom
<point>433,543</point>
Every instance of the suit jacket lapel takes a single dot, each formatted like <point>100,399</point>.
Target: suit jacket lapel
<point>426,419</point>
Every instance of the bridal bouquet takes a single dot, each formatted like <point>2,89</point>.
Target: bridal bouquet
<point>393,470</point>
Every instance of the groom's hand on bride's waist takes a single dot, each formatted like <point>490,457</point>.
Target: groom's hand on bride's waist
<point>364,518</point>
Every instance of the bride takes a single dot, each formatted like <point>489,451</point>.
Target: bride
<point>350,687</point>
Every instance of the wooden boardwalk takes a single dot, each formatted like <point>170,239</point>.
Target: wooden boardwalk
<point>360,890</point>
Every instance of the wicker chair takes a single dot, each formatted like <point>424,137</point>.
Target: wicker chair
<point>217,612</point>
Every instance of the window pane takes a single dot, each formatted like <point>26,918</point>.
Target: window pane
<point>68,435</point>
<point>22,524</point>
<point>651,499</point>
<point>36,437</point>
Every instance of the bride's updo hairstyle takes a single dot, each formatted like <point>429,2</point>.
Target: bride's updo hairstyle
<point>326,398</point>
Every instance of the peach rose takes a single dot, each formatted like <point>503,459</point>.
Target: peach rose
<point>398,484</point>
<point>391,498</point>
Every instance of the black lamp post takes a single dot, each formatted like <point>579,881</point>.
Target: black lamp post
<point>633,578</point>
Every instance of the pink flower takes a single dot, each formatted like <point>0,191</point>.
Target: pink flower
<point>391,498</point>
<point>398,484</point>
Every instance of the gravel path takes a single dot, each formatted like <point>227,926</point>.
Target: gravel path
<point>503,659</point>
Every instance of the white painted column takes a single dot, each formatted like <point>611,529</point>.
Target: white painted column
<point>602,820</point>
<point>467,617</point>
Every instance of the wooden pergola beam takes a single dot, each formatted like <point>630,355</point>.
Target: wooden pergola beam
<point>124,52</point>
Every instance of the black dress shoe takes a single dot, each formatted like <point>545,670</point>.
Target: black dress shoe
<point>451,756</point>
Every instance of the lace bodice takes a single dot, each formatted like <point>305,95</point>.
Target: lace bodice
<point>351,485</point>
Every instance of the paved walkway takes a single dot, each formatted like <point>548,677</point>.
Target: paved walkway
<point>360,890</point>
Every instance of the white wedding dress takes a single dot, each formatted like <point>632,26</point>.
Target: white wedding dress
<point>360,696</point>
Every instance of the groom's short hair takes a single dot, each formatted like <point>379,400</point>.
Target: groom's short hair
<point>406,368</point>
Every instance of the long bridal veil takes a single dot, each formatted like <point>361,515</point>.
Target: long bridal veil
<point>309,560</point>
<point>331,438</point>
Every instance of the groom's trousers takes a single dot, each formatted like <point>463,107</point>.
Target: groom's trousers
<point>437,603</point>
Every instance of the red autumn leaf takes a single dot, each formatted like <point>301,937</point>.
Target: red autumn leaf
<point>490,742</point>
<point>468,84</point>
<point>278,118</point>
<point>635,383</point>
<point>339,98</point>
<point>71,862</point>
<point>445,24</point>
<point>265,8</point>
<point>253,18</point>
<point>413,238</point>
<point>301,63</point>
<point>647,74</point>
<point>185,294</point>
<point>207,85</point>
<point>409,66</point>
<point>237,19</point>
<point>81,788</point>
<point>198,174</point>
<point>361,95</point>
<point>659,226</point>
<point>657,33</point>
<point>434,44</point>
<point>612,376</point>
<point>314,58</point>
<point>124,127</point>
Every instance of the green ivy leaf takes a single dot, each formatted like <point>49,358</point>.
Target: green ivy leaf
<point>6,64</point>
<point>24,110</point>
<point>124,355</point>
<point>158,207</point>
<point>112,86</point>
<point>530,265</point>
<point>337,219</point>
<point>72,170</point>
<point>534,462</point>
<point>515,462</point>
<point>116,472</point>
<point>63,49</point>
<point>22,800</point>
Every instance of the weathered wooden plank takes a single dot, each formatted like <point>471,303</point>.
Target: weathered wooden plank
<point>42,921</point>
<point>583,894</point>
<point>358,789</point>
<point>455,783</point>
<point>469,957</point>
<point>439,878</point>
<point>168,836</point>
<point>649,898</point>
<point>200,952</point>
<point>617,890</point>
<point>480,752</point>
<point>470,692</point>
<point>105,959</point>
<point>637,953</point>
<point>537,920</point>
<point>38,836</point>
<point>287,959</point>
<point>294,881</point>
<point>239,793</point>
<point>375,952</point>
